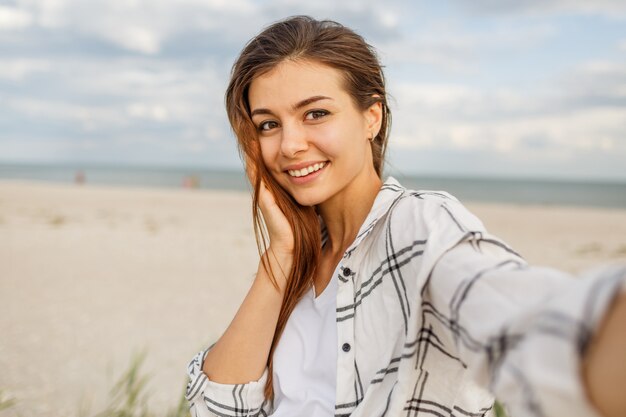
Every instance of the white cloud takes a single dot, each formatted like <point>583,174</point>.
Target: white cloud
<point>432,95</point>
<point>600,68</point>
<point>129,78</point>
<point>446,45</point>
<point>136,38</point>
<point>583,110</point>
<point>608,8</point>
<point>215,132</point>
<point>389,19</point>
<point>48,13</point>
<point>550,136</point>
<point>19,69</point>
<point>88,117</point>
<point>140,25</point>
<point>155,112</point>
<point>128,107</point>
<point>145,26</point>
<point>593,83</point>
<point>452,54</point>
<point>12,18</point>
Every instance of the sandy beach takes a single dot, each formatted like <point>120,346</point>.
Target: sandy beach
<point>89,275</point>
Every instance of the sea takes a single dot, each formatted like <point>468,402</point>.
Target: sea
<point>468,189</point>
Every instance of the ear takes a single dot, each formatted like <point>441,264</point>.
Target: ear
<point>374,118</point>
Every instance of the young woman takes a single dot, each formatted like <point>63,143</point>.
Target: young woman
<point>374,300</point>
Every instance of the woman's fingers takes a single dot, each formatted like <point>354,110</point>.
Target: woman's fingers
<point>278,227</point>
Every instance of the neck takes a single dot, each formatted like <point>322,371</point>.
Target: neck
<point>345,213</point>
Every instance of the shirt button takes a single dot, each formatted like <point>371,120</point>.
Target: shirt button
<point>346,347</point>
<point>347,272</point>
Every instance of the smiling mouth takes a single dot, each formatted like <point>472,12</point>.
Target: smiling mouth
<point>307,170</point>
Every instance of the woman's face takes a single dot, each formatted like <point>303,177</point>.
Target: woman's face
<point>313,138</point>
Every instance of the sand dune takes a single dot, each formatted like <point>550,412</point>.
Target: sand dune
<point>89,275</point>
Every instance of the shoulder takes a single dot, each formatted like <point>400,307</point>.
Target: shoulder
<point>431,210</point>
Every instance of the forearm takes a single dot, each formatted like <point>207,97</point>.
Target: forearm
<point>241,354</point>
<point>524,342</point>
<point>604,366</point>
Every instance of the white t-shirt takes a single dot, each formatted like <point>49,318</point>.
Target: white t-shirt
<point>305,359</point>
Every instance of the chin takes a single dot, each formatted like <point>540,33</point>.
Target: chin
<point>307,198</point>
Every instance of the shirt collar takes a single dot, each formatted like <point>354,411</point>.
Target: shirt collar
<point>388,194</point>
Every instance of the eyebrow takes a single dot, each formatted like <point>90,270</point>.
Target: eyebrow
<point>295,107</point>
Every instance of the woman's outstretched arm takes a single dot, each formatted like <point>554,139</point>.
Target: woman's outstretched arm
<point>535,337</point>
<point>604,366</point>
<point>544,343</point>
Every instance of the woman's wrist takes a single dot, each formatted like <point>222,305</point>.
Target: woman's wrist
<point>280,254</point>
<point>276,266</point>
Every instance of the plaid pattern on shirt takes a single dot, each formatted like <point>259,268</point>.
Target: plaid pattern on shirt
<point>435,317</point>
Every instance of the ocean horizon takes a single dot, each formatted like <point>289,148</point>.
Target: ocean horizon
<point>608,194</point>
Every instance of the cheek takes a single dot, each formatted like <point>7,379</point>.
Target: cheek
<point>345,142</point>
<point>268,152</point>
<point>330,141</point>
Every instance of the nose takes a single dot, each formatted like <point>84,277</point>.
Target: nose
<point>293,140</point>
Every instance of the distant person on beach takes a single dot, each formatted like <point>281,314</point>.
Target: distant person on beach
<point>79,177</point>
<point>191,182</point>
<point>375,300</point>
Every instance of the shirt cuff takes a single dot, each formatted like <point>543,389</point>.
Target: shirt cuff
<point>208,398</point>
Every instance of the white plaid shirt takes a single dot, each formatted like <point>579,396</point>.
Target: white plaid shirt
<point>435,317</point>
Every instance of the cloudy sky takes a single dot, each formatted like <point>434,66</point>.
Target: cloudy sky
<point>531,88</point>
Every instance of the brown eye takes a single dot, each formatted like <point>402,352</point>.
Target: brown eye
<point>266,126</point>
<point>316,114</point>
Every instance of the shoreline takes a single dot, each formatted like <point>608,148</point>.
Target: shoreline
<point>524,191</point>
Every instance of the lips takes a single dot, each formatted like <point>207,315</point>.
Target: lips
<point>306,170</point>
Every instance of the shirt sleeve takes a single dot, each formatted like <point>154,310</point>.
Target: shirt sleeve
<point>521,331</point>
<point>208,398</point>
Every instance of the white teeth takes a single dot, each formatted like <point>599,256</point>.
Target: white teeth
<point>306,171</point>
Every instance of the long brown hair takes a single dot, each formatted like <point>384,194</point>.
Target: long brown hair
<point>325,42</point>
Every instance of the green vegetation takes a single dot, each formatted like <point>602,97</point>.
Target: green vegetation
<point>499,410</point>
<point>6,402</point>
<point>129,398</point>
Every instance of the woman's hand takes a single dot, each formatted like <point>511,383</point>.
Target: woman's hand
<point>604,369</point>
<point>278,228</point>
<point>278,257</point>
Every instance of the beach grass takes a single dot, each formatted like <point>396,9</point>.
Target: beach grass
<point>499,410</point>
<point>6,402</point>
<point>129,397</point>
